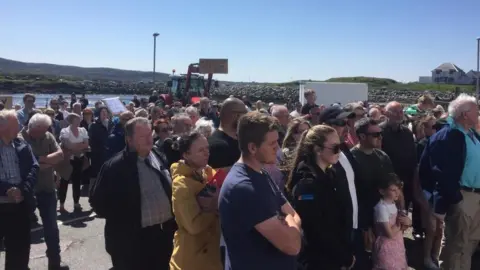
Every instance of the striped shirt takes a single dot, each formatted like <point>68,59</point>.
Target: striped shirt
<point>9,167</point>
<point>155,205</point>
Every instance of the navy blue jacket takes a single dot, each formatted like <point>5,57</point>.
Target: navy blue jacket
<point>28,171</point>
<point>441,166</point>
<point>116,140</point>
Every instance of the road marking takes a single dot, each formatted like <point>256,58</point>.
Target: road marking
<point>65,222</point>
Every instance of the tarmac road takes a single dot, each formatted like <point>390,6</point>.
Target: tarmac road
<point>83,246</point>
<point>81,240</point>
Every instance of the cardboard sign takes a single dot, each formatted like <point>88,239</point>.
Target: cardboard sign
<point>218,66</point>
<point>115,105</point>
<point>7,101</point>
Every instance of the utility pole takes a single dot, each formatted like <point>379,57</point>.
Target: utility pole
<point>155,35</point>
<point>478,68</point>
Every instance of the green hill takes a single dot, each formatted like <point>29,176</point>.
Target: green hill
<point>14,68</point>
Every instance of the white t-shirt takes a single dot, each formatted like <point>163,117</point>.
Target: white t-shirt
<point>295,114</point>
<point>383,211</point>
<point>351,186</point>
<point>67,134</point>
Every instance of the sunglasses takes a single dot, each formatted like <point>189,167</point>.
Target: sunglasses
<point>337,122</point>
<point>335,148</point>
<point>165,129</point>
<point>374,134</point>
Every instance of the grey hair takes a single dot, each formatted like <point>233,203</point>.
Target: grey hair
<point>461,104</point>
<point>178,118</point>
<point>190,110</point>
<point>77,104</point>
<point>276,109</point>
<point>71,116</point>
<point>141,113</point>
<point>204,126</point>
<point>132,123</point>
<point>7,114</point>
<point>39,120</point>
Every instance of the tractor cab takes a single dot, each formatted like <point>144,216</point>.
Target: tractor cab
<point>189,88</point>
<point>178,87</point>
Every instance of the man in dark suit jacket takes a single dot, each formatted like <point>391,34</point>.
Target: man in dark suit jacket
<point>133,193</point>
<point>18,175</point>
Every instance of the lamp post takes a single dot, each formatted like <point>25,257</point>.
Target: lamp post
<point>155,35</point>
<point>478,67</point>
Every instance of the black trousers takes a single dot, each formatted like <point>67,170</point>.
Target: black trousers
<point>76,178</point>
<point>152,250</point>
<point>15,231</point>
<point>416,211</point>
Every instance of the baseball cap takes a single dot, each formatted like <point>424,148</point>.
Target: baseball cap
<point>334,113</point>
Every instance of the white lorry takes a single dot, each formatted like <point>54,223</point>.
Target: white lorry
<point>329,93</point>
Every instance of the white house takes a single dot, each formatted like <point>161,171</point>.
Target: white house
<point>473,75</point>
<point>425,79</point>
<point>451,74</point>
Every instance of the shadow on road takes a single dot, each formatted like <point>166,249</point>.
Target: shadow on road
<point>66,216</point>
<point>37,237</point>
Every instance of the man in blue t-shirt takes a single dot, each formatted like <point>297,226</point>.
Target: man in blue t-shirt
<point>260,228</point>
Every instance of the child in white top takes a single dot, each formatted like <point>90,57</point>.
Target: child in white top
<point>389,249</point>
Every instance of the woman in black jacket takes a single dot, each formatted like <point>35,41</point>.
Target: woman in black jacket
<point>325,225</point>
<point>98,133</point>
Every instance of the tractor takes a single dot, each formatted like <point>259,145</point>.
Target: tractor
<point>187,88</point>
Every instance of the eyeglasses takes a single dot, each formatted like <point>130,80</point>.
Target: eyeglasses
<point>374,134</point>
<point>335,148</point>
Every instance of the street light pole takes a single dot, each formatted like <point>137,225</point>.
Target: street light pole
<point>155,35</point>
<point>478,67</point>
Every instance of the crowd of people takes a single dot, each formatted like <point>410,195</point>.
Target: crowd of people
<point>241,185</point>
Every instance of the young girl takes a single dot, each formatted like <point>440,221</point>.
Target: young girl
<point>389,249</point>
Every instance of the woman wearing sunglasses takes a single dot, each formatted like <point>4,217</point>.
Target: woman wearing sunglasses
<point>314,188</point>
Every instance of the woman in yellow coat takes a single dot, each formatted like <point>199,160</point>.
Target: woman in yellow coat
<point>197,240</point>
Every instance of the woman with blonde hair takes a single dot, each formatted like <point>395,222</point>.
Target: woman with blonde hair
<point>318,199</point>
<point>194,203</point>
<point>74,141</point>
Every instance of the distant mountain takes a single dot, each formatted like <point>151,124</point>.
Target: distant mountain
<point>111,74</point>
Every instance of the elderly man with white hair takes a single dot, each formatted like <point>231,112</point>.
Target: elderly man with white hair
<point>450,178</point>
<point>18,175</point>
<point>375,114</point>
<point>193,114</point>
<point>280,112</point>
<point>48,154</point>
<point>205,127</point>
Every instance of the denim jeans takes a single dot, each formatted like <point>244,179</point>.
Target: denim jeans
<point>47,206</point>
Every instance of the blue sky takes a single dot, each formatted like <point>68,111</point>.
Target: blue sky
<point>264,40</point>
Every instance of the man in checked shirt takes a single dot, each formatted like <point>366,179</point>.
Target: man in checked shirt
<point>18,174</point>
<point>133,193</point>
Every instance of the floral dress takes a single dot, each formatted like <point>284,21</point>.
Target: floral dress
<point>388,253</point>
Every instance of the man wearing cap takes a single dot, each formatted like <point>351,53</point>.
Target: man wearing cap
<point>347,178</point>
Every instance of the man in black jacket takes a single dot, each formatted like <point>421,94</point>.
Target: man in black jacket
<point>133,193</point>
